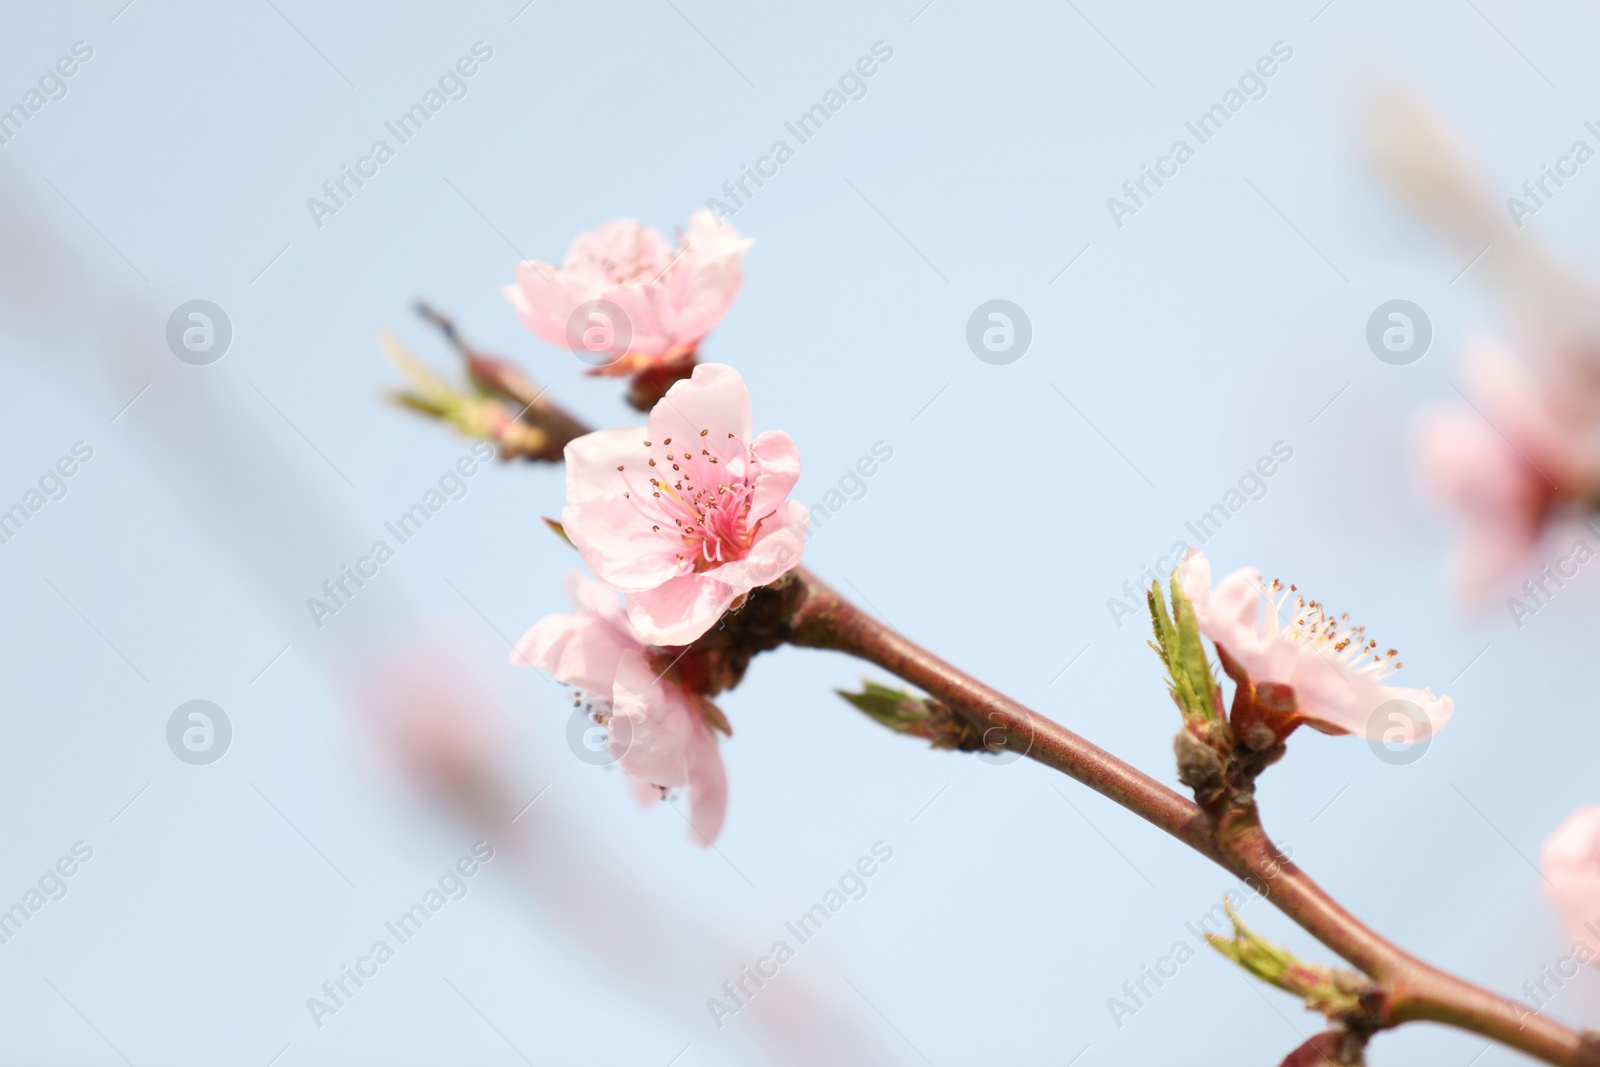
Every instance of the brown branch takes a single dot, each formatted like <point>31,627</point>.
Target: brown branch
<point>1413,990</point>
<point>1236,841</point>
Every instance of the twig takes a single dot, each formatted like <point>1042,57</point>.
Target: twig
<point>1414,990</point>
<point>505,379</point>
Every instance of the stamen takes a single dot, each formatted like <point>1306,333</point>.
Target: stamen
<point>1310,623</point>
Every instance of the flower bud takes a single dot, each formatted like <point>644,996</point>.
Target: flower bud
<point>1200,766</point>
<point>1331,1048</point>
<point>1341,995</point>
<point>922,717</point>
<point>1571,866</point>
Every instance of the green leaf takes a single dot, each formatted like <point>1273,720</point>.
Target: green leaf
<point>1334,992</point>
<point>1192,665</point>
<point>426,385</point>
<point>1161,622</point>
<point>1178,642</point>
<point>417,403</point>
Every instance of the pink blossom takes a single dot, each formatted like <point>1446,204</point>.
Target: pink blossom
<point>1335,671</point>
<point>671,299</point>
<point>688,515</point>
<point>657,729</point>
<point>1499,499</point>
<point>1571,862</point>
<point>1497,468</point>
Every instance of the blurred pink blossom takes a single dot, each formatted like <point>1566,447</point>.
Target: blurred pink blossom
<point>689,515</point>
<point>1571,862</point>
<point>657,729</point>
<point>671,298</point>
<point>1501,469</point>
<point>1334,669</point>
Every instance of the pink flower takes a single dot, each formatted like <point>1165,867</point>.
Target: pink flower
<point>689,515</point>
<point>1571,862</point>
<point>669,299</point>
<point>1494,468</point>
<point>1338,689</point>
<point>1500,500</point>
<point>657,729</point>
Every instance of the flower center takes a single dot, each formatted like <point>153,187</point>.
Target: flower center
<point>697,500</point>
<point>630,266</point>
<point>1308,623</point>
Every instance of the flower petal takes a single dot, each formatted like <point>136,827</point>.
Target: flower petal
<point>1571,863</point>
<point>595,599</point>
<point>775,465</point>
<point>649,319</point>
<point>1194,578</point>
<point>592,461</point>
<point>652,741</point>
<point>543,299</point>
<point>582,651</point>
<point>619,546</point>
<point>707,276</point>
<point>617,252</point>
<point>681,609</point>
<point>713,399</point>
<point>708,785</point>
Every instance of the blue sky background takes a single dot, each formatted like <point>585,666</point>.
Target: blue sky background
<point>1226,315</point>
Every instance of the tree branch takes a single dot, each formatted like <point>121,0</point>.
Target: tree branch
<point>1413,990</point>
<point>1235,840</point>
